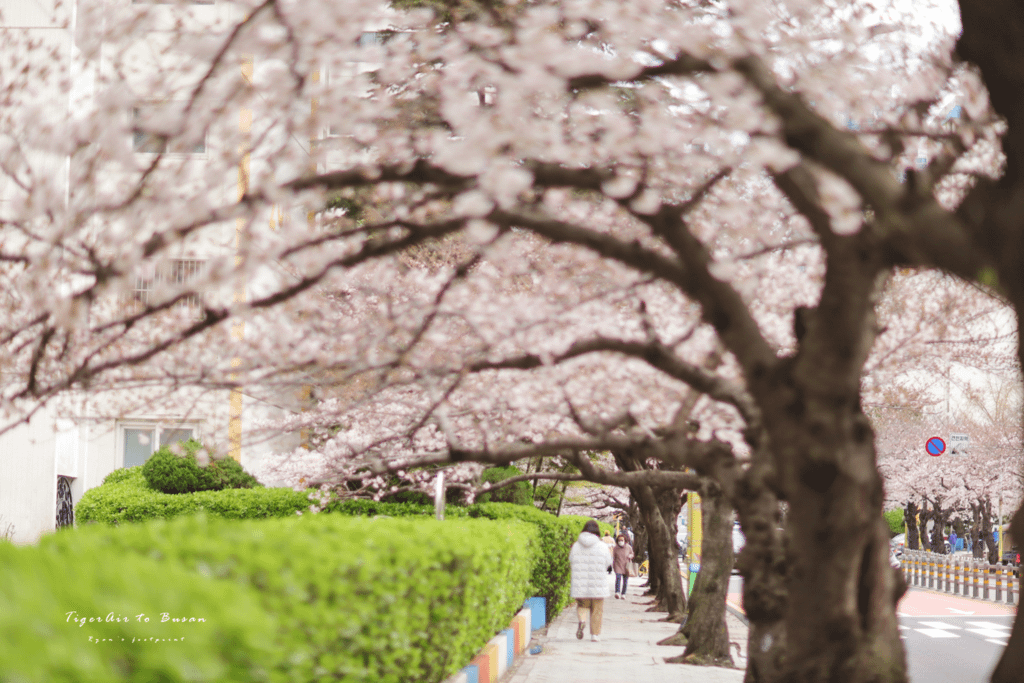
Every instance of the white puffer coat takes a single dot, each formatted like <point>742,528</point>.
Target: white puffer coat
<point>590,559</point>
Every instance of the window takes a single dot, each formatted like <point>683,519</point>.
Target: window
<point>177,272</point>
<point>150,142</point>
<point>139,441</point>
<point>367,38</point>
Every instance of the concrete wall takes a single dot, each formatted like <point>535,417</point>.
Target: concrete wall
<point>28,479</point>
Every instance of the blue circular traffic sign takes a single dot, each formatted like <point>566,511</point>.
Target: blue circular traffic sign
<point>935,446</point>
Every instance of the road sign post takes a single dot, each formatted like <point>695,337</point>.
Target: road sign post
<point>958,444</point>
<point>935,446</point>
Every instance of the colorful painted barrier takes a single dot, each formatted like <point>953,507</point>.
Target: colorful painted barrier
<point>497,656</point>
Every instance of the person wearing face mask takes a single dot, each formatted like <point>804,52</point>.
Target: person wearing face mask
<point>622,555</point>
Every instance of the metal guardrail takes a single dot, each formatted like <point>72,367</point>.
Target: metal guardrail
<point>962,576</point>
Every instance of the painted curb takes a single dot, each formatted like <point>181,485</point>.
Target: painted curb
<point>500,652</point>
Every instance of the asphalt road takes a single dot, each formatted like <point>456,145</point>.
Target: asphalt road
<point>960,649</point>
<point>948,639</point>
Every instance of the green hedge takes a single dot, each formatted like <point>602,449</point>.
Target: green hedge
<point>894,518</point>
<point>126,497</point>
<point>43,593</point>
<point>520,493</point>
<point>371,508</point>
<point>356,599</point>
<point>551,577</point>
<point>168,471</point>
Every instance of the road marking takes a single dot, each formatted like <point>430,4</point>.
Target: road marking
<point>958,611</point>
<point>936,633</point>
<point>1001,643</point>
<point>938,624</point>
<point>990,632</point>
<point>988,624</point>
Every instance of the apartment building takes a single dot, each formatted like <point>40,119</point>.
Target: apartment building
<point>49,461</point>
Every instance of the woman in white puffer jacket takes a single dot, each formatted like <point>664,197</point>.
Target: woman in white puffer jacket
<point>591,562</point>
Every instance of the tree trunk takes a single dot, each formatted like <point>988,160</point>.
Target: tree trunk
<point>654,554</point>
<point>669,597</point>
<point>639,532</point>
<point>1010,668</point>
<point>939,517</point>
<point>653,577</point>
<point>925,516</point>
<point>705,631</point>
<point>986,531</point>
<point>762,563</point>
<point>841,624</point>
<point>977,543</point>
<point>913,539</point>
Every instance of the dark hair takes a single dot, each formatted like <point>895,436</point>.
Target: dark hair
<point>591,527</point>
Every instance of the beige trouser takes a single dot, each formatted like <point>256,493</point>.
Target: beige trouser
<point>596,608</point>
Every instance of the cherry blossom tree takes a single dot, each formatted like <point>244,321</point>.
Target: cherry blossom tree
<point>629,188</point>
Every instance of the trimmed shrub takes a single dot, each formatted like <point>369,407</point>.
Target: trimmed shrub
<point>126,497</point>
<point>894,518</point>
<point>43,593</point>
<point>129,474</point>
<point>169,472</point>
<point>359,507</point>
<point>374,600</point>
<point>519,493</point>
<point>551,577</point>
<point>229,474</point>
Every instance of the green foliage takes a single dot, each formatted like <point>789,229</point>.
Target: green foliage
<point>355,599</point>
<point>43,643</point>
<point>550,577</point>
<point>126,497</point>
<point>370,508</point>
<point>518,493</point>
<point>229,474</point>
<point>125,474</point>
<point>894,518</point>
<point>352,208</point>
<point>170,472</point>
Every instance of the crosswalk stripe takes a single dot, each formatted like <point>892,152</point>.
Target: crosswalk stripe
<point>988,624</point>
<point>989,632</point>
<point>938,624</point>
<point>936,632</point>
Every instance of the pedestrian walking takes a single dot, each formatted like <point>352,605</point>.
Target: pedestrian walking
<point>590,562</point>
<point>608,539</point>
<point>622,555</point>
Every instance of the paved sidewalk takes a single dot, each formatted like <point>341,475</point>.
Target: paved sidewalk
<point>628,650</point>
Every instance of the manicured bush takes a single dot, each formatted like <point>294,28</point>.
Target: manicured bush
<point>372,508</point>
<point>169,471</point>
<point>43,593</point>
<point>126,497</point>
<point>519,493</point>
<point>229,474</point>
<point>129,474</point>
<point>894,518</point>
<point>550,578</point>
<point>356,599</point>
